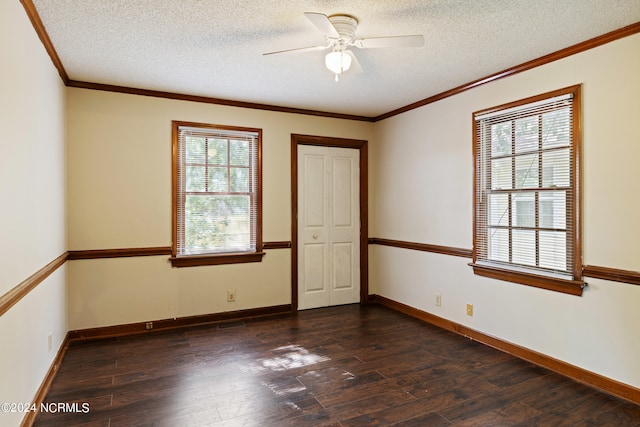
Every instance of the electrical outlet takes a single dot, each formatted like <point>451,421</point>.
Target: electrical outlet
<point>469,309</point>
<point>438,300</point>
<point>149,325</point>
<point>231,295</point>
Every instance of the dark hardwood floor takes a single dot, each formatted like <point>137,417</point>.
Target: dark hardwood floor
<point>340,366</point>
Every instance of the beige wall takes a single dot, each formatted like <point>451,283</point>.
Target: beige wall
<point>32,212</point>
<point>119,184</point>
<point>427,153</point>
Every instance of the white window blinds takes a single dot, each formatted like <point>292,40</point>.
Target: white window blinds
<point>525,182</point>
<point>217,195</point>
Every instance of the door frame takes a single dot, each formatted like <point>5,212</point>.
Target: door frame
<point>323,141</point>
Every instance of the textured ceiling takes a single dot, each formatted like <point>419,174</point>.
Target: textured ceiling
<point>214,48</point>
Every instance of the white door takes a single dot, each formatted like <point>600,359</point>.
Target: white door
<point>328,226</point>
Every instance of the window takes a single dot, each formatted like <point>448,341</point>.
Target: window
<point>217,202</point>
<point>527,176</point>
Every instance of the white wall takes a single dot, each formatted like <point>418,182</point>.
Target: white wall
<point>422,166</point>
<point>32,212</point>
<point>119,185</point>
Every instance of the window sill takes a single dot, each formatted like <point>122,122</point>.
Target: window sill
<point>216,259</point>
<point>572,287</point>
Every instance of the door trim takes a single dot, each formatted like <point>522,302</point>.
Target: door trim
<point>323,141</point>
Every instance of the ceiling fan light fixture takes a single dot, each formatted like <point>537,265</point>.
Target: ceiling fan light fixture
<point>340,34</point>
<point>337,61</point>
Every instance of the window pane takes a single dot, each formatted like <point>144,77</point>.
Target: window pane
<point>555,168</point>
<point>239,153</point>
<point>498,245</point>
<point>556,128</point>
<point>553,250</point>
<point>553,209</point>
<point>238,230</point>
<point>501,174</point>
<point>524,247</point>
<point>215,223</point>
<point>217,151</point>
<point>527,134</point>
<point>218,180</point>
<point>527,171</point>
<point>499,209</point>
<point>202,227</point>
<point>501,139</point>
<point>195,180</point>
<point>524,210</point>
<point>239,180</point>
<point>194,150</point>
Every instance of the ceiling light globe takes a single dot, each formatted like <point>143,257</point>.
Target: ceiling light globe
<point>338,62</point>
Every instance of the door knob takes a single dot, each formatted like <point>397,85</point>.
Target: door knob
<point>315,236</point>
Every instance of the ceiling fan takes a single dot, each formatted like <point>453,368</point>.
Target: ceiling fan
<point>339,32</point>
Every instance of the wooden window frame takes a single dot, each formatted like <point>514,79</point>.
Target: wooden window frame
<point>213,258</point>
<point>571,284</point>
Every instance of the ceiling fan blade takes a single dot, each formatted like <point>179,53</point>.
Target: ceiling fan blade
<point>355,64</point>
<point>393,41</point>
<point>300,49</point>
<point>322,23</point>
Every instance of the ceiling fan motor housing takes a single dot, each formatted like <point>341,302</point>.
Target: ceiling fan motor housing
<point>346,26</point>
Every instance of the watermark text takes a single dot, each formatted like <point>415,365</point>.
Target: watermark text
<point>46,407</point>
